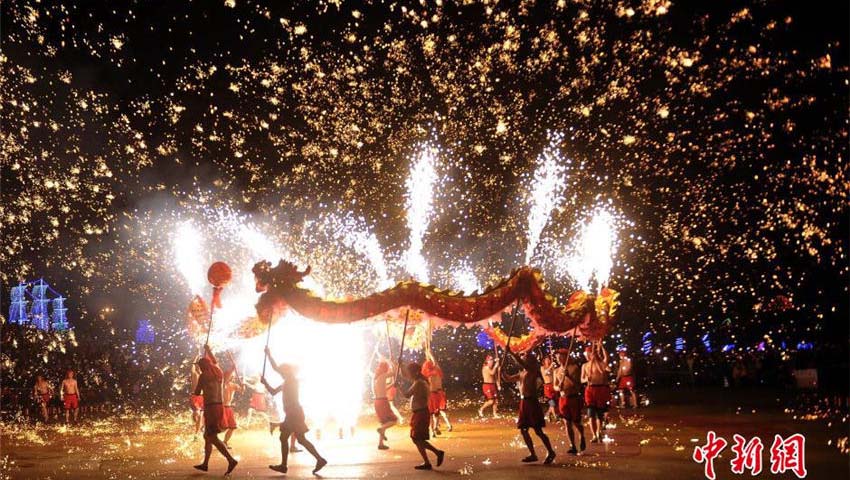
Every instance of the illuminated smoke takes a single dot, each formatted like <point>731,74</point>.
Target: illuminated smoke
<point>419,202</point>
<point>261,246</point>
<point>546,191</point>
<point>355,234</point>
<point>188,244</point>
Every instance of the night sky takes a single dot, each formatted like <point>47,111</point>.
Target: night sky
<point>717,135</point>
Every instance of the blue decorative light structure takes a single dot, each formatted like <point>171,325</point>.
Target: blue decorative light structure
<point>144,333</point>
<point>59,314</point>
<point>706,342</point>
<point>646,343</point>
<point>680,344</point>
<point>46,311</point>
<point>18,307</point>
<point>39,315</point>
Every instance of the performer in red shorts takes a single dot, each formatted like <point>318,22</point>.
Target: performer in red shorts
<point>547,371</point>
<point>437,399</point>
<point>231,386</point>
<point>294,421</point>
<point>597,394</point>
<point>196,402</point>
<point>42,391</point>
<point>387,418</point>
<point>530,414</point>
<point>258,403</point>
<point>626,379</point>
<point>419,393</point>
<point>490,375</point>
<point>568,384</point>
<point>210,385</point>
<point>71,395</point>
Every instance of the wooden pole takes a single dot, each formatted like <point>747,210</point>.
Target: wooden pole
<point>209,327</point>
<point>389,344</point>
<point>496,359</point>
<point>551,346</point>
<point>401,350</point>
<point>235,367</point>
<point>572,341</point>
<point>428,337</point>
<point>265,357</point>
<point>495,347</point>
<point>510,334</point>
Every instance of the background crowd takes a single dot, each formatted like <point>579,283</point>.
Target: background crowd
<point>115,373</point>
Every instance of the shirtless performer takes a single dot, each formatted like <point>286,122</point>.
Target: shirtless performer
<point>231,386</point>
<point>567,383</point>
<point>70,395</point>
<point>275,415</point>
<point>547,371</point>
<point>530,414</point>
<point>492,385</point>
<point>437,399</point>
<point>293,422</point>
<point>597,394</point>
<point>384,376</point>
<point>419,394</point>
<point>196,402</point>
<point>210,385</point>
<point>626,379</point>
<point>42,392</point>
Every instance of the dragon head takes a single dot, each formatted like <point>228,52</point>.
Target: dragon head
<point>284,275</point>
<point>272,282</point>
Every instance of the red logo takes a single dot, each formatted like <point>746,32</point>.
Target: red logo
<point>747,455</point>
<point>789,455</point>
<point>708,452</point>
<point>786,455</point>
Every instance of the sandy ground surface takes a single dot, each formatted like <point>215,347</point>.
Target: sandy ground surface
<point>654,442</point>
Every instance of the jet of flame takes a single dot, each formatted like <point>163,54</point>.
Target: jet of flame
<point>546,191</point>
<point>419,201</point>
<point>593,252</point>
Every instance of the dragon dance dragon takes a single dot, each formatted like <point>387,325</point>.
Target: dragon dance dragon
<point>584,315</point>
